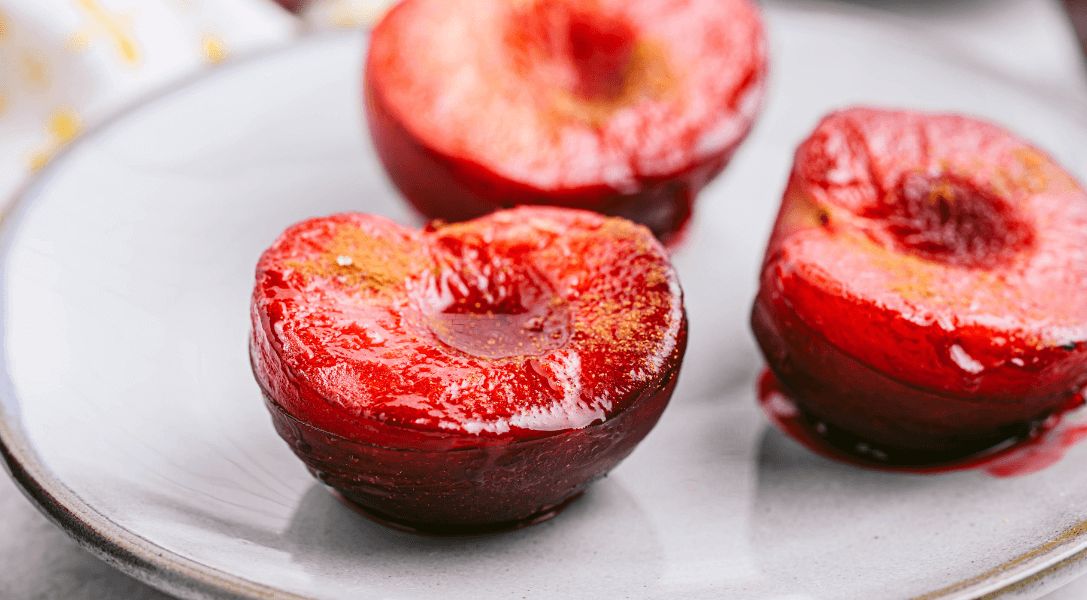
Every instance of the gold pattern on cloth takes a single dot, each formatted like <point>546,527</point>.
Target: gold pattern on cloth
<point>63,126</point>
<point>214,49</point>
<point>66,64</point>
<point>115,27</point>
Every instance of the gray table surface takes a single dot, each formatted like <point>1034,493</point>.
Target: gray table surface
<point>1029,42</point>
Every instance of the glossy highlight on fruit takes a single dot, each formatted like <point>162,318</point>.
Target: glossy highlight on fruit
<point>624,107</point>
<point>925,286</point>
<point>471,376</point>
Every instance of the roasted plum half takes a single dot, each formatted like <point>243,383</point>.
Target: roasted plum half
<point>624,107</point>
<point>925,285</point>
<point>466,377</point>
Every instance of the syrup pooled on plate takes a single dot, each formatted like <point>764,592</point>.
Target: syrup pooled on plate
<point>1029,448</point>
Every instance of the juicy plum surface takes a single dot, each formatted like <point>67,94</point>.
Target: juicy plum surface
<point>519,325</point>
<point>942,255</point>
<point>626,108</point>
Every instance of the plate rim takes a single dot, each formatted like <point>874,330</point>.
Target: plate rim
<point>95,532</point>
<point>1063,558</point>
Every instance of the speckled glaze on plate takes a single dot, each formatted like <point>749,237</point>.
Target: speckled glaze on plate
<point>129,414</point>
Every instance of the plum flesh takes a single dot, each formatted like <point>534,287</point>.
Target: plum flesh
<point>625,108</point>
<point>466,376</point>
<point>925,286</point>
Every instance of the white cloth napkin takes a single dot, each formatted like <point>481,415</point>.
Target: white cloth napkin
<point>322,15</point>
<point>66,64</point>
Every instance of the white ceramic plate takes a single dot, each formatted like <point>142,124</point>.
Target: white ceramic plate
<point>130,415</point>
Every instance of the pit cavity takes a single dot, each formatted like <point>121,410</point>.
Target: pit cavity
<point>946,219</point>
<point>602,50</point>
<point>592,56</point>
<point>510,311</point>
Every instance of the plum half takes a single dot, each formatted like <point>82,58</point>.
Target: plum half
<point>466,377</point>
<point>925,285</point>
<point>624,107</point>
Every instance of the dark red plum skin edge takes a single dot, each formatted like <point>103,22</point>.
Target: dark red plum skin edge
<point>440,186</point>
<point>481,489</point>
<point>853,396</point>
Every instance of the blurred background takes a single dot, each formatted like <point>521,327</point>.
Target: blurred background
<point>66,65</point>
